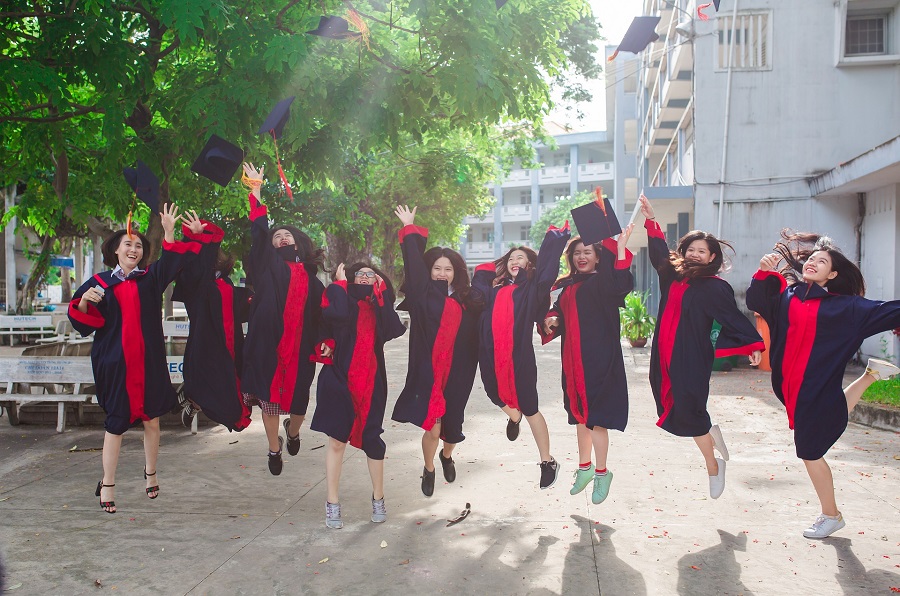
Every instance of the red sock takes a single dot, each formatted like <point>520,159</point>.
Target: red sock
<point>586,466</point>
<point>599,471</point>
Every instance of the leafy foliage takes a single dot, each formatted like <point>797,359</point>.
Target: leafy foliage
<point>635,317</point>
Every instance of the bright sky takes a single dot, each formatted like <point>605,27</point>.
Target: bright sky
<point>614,16</point>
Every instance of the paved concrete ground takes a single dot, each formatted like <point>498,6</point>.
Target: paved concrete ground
<point>224,525</point>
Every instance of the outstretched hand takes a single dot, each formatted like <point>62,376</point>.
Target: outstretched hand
<point>339,274</point>
<point>646,208</point>
<point>192,221</point>
<point>406,216</point>
<point>169,216</point>
<point>254,176</point>
<point>623,239</point>
<point>769,262</point>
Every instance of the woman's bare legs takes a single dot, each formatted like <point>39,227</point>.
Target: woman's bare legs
<point>376,472</point>
<point>272,423</point>
<point>600,440</point>
<point>820,474</point>
<point>334,461</point>
<point>854,390</point>
<point>296,421</point>
<point>151,452</point>
<point>585,443</point>
<point>112,444</point>
<point>541,434</point>
<point>705,443</point>
<point>430,441</point>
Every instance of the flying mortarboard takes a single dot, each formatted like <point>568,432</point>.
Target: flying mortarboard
<point>499,3</point>
<point>640,34</point>
<point>144,183</point>
<point>596,221</point>
<point>334,28</point>
<point>218,160</point>
<point>702,7</point>
<point>277,118</point>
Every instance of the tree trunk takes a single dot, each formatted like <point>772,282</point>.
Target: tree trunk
<point>65,273</point>
<point>341,250</point>
<point>36,278</point>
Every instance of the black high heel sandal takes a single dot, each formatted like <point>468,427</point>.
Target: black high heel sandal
<point>152,488</point>
<point>105,505</point>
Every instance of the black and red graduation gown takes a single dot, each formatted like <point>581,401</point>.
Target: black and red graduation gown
<point>595,390</point>
<point>505,351</point>
<point>681,359</point>
<point>217,311</point>
<point>128,355</point>
<point>443,346</point>
<point>284,323</point>
<point>814,334</point>
<point>351,394</point>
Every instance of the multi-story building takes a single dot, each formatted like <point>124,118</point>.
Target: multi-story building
<point>772,115</point>
<point>580,161</point>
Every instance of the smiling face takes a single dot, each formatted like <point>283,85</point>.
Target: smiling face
<point>517,260</point>
<point>818,268</point>
<point>698,253</point>
<point>442,270</point>
<point>130,253</point>
<point>364,277</point>
<point>282,237</point>
<point>585,258</point>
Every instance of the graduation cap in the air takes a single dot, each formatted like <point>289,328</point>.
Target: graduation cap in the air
<point>334,28</point>
<point>702,7</point>
<point>218,160</point>
<point>499,3</point>
<point>640,34</point>
<point>274,125</point>
<point>144,183</point>
<point>596,221</point>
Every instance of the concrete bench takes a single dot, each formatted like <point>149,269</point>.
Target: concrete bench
<point>64,380</point>
<point>13,325</point>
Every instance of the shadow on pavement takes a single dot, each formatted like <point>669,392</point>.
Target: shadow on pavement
<point>614,575</point>
<point>852,574</point>
<point>714,570</point>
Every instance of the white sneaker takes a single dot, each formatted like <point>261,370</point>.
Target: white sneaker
<point>718,441</point>
<point>881,369</point>
<point>717,482</point>
<point>333,516</point>
<point>824,526</point>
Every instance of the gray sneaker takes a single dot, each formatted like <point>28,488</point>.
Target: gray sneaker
<point>333,516</point>
<point>824,526</point>
<point>379,511</point>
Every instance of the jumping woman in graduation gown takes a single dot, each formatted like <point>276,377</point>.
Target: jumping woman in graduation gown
<point>217,310</point>
<point>351,395</point>
<point>586,315</point>
<point>517,290</point>
<point>443,346</point>
<point>123,309</point>
<point>681,360</point>
<point>284,324</point>
<point>818,320</point>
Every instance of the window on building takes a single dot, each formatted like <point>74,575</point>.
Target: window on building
<point>752,42</point>
<point>866,35</point>
<point>524,197</point>
<point>524,231</point>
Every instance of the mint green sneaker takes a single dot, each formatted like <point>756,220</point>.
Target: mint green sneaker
<point>601,487</point>
<point>582,479</point>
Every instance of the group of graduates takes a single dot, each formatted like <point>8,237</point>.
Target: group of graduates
<point>813,304</point>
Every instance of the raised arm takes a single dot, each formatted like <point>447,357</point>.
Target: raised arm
<point>195,271</point>
<point>175,254</point>
<point>766,288</point>
<point>614,277</point>
<point>335,301</point>
<point>412,246</point>
<point>876,317</point>
<point>657,249</point>
<point>551,251</point>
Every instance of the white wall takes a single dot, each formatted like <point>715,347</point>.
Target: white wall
<point>880,262</point>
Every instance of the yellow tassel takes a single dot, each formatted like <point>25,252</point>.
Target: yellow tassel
<point>357,21</point>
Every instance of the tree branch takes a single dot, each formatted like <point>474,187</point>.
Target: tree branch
<point>56,118</point>
<point>279,20</point>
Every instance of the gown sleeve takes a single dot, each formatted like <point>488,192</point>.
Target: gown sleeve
<point>551,251</point>
<point>389,322</point>
<point>873,316</point>
<point>613,276</point>
<point>93,319</point>
<point>764,294</point>
<point>262,254</point>
<point>555,311</point>
<point>482,282</point>
<point>738,335</point>
<point>658,250</point>
<point>196,270</point>
<point>175,255</point>
<point>415,276</point>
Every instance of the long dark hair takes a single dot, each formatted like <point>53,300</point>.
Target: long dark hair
<point>796,247</point>
<point>111,245</point>
<point>686,269</point>
<point>306,250</point>
<point>502,273</point>
<point>351,270</point>
<point>570,257</point>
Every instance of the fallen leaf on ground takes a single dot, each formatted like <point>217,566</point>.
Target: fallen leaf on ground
<point>695,567</point>
<point>383,544</point>
<point>406,562</point>
<point>325,560</point>
<point>74,447</point>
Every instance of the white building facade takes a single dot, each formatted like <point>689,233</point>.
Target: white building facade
<point>776,114</point>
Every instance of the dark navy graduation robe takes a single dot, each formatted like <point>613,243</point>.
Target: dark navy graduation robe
<point>443,346</point>
<point>128,355</point>
<point>814,334</point>
<point>351,394</point>
<point>217,310</point>
<point>284,323</point>
<point>505,351</point>
<point>595,391</point>
<point>681,359</point>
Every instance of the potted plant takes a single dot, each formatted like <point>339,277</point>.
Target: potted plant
<point>637,324</point>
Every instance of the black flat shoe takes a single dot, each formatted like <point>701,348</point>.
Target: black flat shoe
<point>427,482</point>
<point>293,443</point>
<point>275,462</point>
<point>448,466</point>
<point>512,428</point>
<point>105,505</point>
<point>152,489</point>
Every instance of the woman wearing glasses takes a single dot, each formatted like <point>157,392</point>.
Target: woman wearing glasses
<point>358,317</point>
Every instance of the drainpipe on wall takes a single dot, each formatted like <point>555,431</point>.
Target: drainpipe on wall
<point>857,229</point>
<point>727,119</point>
